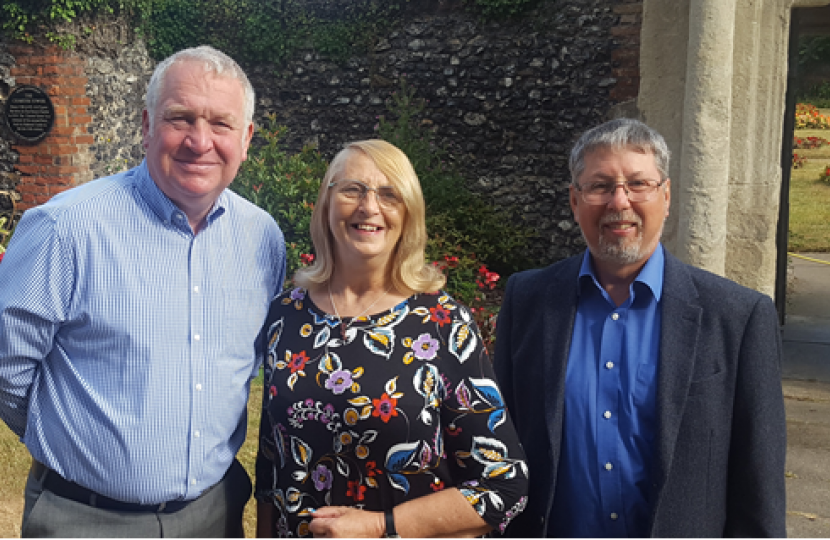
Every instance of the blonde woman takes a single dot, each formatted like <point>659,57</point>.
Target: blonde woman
<point>381,415</point>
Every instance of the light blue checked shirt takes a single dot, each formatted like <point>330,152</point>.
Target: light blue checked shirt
<point>127,344</point>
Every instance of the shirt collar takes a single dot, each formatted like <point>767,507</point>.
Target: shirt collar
<point>651,275</point>
<point>161,205</point>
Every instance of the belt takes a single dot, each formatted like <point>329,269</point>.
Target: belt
<point>62,487</point>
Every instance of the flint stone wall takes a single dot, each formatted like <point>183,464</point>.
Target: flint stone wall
<point>507,100</point>
<point>116,88</point>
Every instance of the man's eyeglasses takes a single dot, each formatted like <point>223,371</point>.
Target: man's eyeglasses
<point>603,192</point>
<point>354,191</point>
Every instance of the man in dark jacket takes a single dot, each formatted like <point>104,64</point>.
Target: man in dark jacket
<point>646,392</point>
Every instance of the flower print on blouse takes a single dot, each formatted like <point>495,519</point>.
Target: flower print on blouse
<point>400,405</point>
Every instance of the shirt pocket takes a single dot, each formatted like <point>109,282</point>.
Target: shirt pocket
<point>645,387</point>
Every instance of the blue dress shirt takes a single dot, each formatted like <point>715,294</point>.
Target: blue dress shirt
<point>603,481</point>
<point>127,344</point>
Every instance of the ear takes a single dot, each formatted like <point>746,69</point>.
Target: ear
<point>574,200</point>
<point>667,189</point>
<point>145,129</point>
<point>246,140</point>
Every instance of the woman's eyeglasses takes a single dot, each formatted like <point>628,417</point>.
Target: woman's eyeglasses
<point>354,191</point>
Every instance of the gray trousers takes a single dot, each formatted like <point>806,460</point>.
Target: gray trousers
<point>216,514</point>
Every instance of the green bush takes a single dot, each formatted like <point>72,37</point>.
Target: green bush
<point>817,96</point>
<point>813,50</point>
<point>285,186</point>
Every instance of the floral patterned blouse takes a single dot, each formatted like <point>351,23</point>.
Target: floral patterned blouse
<point>374,412</point>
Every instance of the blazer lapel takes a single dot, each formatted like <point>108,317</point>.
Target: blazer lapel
<point>558,329</point>
<point>681,318</point>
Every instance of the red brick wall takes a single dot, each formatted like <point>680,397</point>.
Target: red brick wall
<point>626,56</point>
<point>60,160</point>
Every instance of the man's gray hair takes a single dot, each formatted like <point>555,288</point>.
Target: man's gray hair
<point>213,61</point>
<point>620,134</point>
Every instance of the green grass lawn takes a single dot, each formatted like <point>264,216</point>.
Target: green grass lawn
<point>809,227</point>
<point>16,461</point>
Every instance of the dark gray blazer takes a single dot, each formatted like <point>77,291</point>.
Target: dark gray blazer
<point>721,440</point>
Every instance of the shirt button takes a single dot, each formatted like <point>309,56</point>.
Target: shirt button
<point>199,386</point>
<point>614,515</point>
<point>608,466</point>
<point>192,481</point>
<point>196,288</point>
<point>197,337</point>
<point>197,433</point>
<point>607,414</point>
<point>609,365</point>
<point>615,316</point>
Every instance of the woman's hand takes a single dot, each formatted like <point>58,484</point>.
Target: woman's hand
<point>345,522</point>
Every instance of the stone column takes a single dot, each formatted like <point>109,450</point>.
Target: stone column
<point>706,128</point>
<point>713,79</point>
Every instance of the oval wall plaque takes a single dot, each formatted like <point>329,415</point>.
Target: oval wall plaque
<point>29,113</point>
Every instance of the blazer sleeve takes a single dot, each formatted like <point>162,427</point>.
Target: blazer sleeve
<point>756,495</point>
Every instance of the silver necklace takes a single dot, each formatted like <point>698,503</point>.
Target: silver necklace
<point>344,327</point>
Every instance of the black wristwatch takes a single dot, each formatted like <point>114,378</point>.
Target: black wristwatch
<point>390,525</point>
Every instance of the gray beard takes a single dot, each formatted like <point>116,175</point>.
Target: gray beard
<point>624,253</point>
<point>620,253</point>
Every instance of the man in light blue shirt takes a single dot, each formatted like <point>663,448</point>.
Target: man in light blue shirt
<point>130,321</point>
<point>646,392</point>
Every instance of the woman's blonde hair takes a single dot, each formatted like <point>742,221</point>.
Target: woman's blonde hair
<point>409,273</point>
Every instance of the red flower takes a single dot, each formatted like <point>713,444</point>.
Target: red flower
<point>439,315</point>
<point>452,262</point>
<point>298,361</point>
<point>385,407</point>
<point>257,188</point>
<point>2,255</point>
<point>372,469</point>
<point>488,280</point>
<point>356,491</point>
<point>307,258</point>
